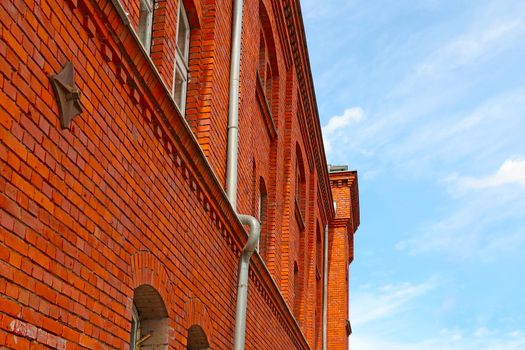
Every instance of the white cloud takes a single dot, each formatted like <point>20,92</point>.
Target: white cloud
<point>374,304</point>
<point>472,45</point>
<point>468,138</point>
<point>512,171</point>
<point>447,339</point>
<point>337,125</point>
<point>481,224</point>
<point>338,122</point>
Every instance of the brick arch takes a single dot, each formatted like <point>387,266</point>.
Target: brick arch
<point>266,28</point>
<point>196,313</point>
<point>147,269</point>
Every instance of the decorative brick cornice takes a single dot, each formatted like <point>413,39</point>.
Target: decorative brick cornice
<point>295,43</point>
<point>349,179</point>
<point>341,223</point>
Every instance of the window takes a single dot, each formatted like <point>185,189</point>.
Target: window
<point>262,56</point>
<point>262,215</point>
<point>197,339</point>
<point>181,67</point>
<point>319,250</point>
<point>149,320</point>
<point>135,328</point>
<point>296,288</point>
<point>264,69</point>
<point>267,69</point>
<point>319,286</point>
<point>300,183</point>
<point>268,88</point>
<point>145,23</point>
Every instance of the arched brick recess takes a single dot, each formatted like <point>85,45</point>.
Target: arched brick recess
<point>195,313</point>
<point>147,269</point>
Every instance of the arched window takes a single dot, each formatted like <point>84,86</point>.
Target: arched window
<point>263,218</point>
<point>267,66</point>
<point>268,85</point>
<point>181,67</point>
<point>318,249</point>
<point>297,290</point>
<point>197,339</point>
<point>146,23</point>
<point>318,285</point>
<point>262,57</point>
<point>149,320</point>
<point>300,182</point>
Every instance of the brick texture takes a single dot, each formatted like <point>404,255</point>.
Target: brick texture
<point>133,193</point>
<point>341,255</point>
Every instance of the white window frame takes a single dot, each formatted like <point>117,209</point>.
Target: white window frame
<point>146,23</point>
<point>135,328</point>
<point>259,216</point>
<point>182,58</point>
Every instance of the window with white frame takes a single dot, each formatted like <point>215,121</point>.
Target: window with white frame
<point>146,23</point>
<point>262,215</point>
<point>149,320</point>
<point>135,328</point>
<point>181,70</point>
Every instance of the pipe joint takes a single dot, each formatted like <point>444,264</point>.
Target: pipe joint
<point>255,232</point>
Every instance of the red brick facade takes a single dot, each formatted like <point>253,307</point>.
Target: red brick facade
<point>132,193</point>
<point>342,229</point>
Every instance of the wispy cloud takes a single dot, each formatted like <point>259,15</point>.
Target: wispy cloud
<point>472,45</point>
<point>375,303</point>
<point>486,220</point>
<point>447,339</point>
<point>512,171</point>
<point>493,31</point>
<point>427,93</point>
<point>429,116</point>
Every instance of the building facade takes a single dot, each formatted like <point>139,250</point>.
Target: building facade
<point>116,231</point>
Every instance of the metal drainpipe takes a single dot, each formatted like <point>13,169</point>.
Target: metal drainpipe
<point>233,106</point>
<point>242,289</point>
<point>231,179</point>
<point>325,290</point>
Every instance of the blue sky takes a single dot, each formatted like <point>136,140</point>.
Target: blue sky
<point>426,99</point>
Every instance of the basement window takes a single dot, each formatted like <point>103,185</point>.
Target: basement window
<point>149,320</point>
<point>145,23</point>
<point>197,339</point>
<point>181,69</point>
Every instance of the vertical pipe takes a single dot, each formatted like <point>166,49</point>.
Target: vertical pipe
<point>325,290</point>
<point>231,179</point>
<point>233,106</point>
<point>242,287</point>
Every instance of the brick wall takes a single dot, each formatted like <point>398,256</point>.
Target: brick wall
<point>341,254</point>
<point>132,193</point>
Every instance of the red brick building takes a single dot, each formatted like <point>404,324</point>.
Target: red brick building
<point>118,226</point>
